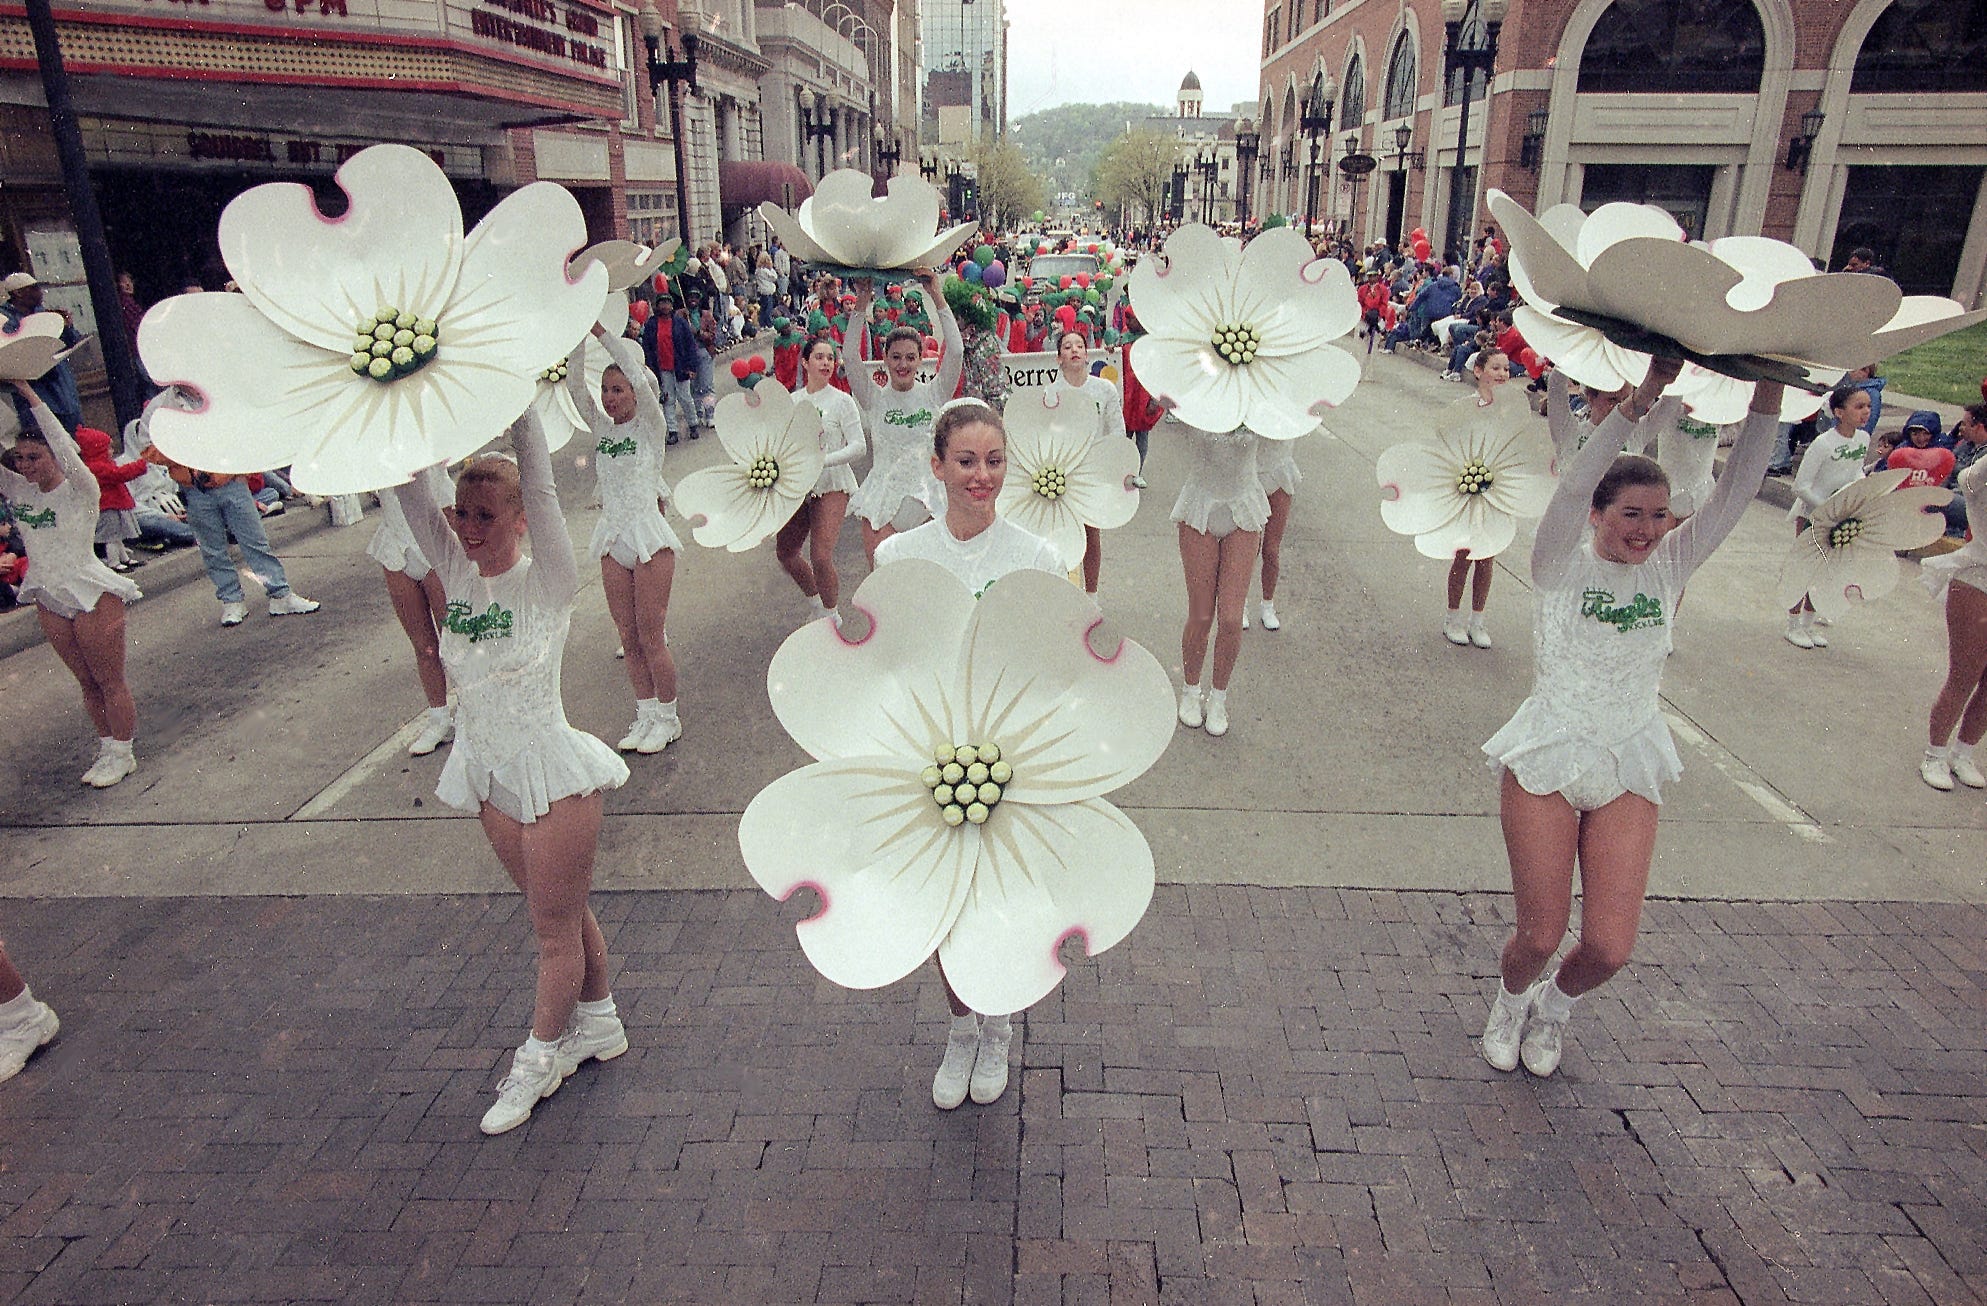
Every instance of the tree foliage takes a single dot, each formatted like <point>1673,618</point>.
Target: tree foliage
<point>1063,144</point>
<point>1134,173</point>
<point>1009,188</point>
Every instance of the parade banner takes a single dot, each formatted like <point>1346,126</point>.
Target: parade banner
<point>1024,371</point>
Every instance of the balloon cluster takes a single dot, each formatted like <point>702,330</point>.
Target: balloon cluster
<point>984,268</point>
<point>749,371</point>
<point>1418,240</point>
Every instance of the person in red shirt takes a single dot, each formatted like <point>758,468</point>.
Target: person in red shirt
<point>117,516</point>
<point>1142,411</point>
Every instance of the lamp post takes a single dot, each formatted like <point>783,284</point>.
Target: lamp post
<point>1471,52</point>
<point>819,125</point>
<point>1316,124</point>
<point>1403,156</point>
<point>1356,171</point>
<point>1177,207</point>
<point>888,152</point>
<point>1208,164</point>
<point>1248,143</point>
<point>677,73</point>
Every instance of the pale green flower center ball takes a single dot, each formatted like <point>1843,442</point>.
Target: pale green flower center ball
<point>1475,478</point>
<point>1051,483</point>
<point>967,781</point>
<point>1845,532</point>
<point>391,344</point>
<point>555,373</point>
<point>762,473</point>
<point>1237,342</point>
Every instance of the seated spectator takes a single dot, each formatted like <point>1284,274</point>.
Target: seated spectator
<point>1915,451</point>
<point>1972,443</point>
<point>161,513</point>
<point>13,550</point>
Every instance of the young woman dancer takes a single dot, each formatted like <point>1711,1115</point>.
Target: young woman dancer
<point>533,780</point>
<point>1836,458</point>
<point>818,521</point>
<point>969,458</point>
<point>79,601</point>
<point>1073,373</point>
<point>636,548</point>
<point>416,592</point>
<point>1276,467</point>
<point>1962,579</point>
<point>1583,761</point>
<point>1221,513</point>
<point>895,495</point>
<point>1491,370</point>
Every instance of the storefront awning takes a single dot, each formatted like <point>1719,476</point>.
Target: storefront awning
<point>748,183</point>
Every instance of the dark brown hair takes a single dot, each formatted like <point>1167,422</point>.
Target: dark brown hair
<point>960,414</point>
<point>807,350</point>
<point>1630,469</point>
<point>904,333</point>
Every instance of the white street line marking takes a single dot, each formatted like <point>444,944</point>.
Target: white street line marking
<point>1747,781</point>
<point>394,746</point>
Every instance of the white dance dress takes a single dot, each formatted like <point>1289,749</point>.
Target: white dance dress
<point>1223,490</point>
<point>1967,565</point>
<point>1000,550</point>
<point>59,527</point>
<point>841,439</point>
<point>1593,727</point>
<point>627,461</point>
<point>503,640</point>
<point>392,545</point>
<point>900,482</point>
<point>1276,466</point>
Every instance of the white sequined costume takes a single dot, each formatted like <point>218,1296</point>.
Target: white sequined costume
<point>627,460</point>
<point>59,527</point>
<point>1223,490</point>
<point>1967,565</point>
<point>1593,728</point>
<point>899,424</point>
<point>841,439</point>
<point>1276,466</point>
<point>503,639</point>
<point>392,545</point>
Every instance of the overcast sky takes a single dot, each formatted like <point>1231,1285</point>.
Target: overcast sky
<point>1096,51</point>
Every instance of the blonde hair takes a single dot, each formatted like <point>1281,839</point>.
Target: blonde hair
<point>496,470</point>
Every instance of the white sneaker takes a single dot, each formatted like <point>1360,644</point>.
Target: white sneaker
<point>1217,717</point>
<point>1245,618</point>
<point>233,614</point>
<point>111,766</point>
<point>1967,773</point>
<point>435,732</point>
<point>661,733</point>
<point>1541,1048</point>
<point>20,1041</point>
<point>1798,634</point>
<point>1191,714</point>
<point>1815,637</point>
<point>592,1038</point>
<point>1479,632</point>
<point>620,652</point>
<point>1454,630</point>
<point>1138,482</point>
<point>532,1078</point>
<point>292,604</point>
<point>990,1066</point>
<point>1502,1030</point>
<point>955,1073</point>
<point>1934,768</point>
<point>1268,615</point>
<point>636,732</point>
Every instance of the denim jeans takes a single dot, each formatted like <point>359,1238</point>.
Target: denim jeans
<point>1782,459</point>
<point>679,405</point>
<point>706,388</point>
<point>230,510</point>
<point>158,526</point>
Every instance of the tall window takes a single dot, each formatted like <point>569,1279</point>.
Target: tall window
<point>1352,103</point>
<point>1472,35</point>
<point>1676,46</point>
<point>1400,79</point>
<point>1924,45</point>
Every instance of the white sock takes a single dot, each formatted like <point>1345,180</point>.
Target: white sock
<point>1476,621</point>
<point>646,708</point>
<point>1960,751</point>
<point>820,608</point>
<point>1554,1003</point>
<point>16,1009</point>
<point>1943,752</point>
<point>966,1024</point>
<point>438,714</point>
<point>1190,691</point>
<point>1217,697</point>
<point>1001,1025</point>
<point>604,1007</point>
<point>665,711</point>
<point>105,744</point>
<point>1508,1000</point>
<point>121,747</point>
<point>538,1047</point>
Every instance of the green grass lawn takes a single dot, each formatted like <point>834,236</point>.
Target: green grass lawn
<point>1947,370</point>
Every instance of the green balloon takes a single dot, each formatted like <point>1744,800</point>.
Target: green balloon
<point>1092,297</point>
<point>983,255</point>
<point>1038,215</point>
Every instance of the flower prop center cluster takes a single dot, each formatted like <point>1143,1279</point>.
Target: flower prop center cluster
<point>1475,478</point>
<point>392,344</point>
<point>1051,483</point>
<point>1237,342</point>
<point>555,373</point>
<point>1845,532</point>
<point>763,472</point>
<point>967,781</point>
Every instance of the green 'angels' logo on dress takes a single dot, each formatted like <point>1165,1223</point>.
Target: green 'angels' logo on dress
<point>898,417</point>
<point>1695,429</point>
<point>1639,613</point>
<point>494,623</point>
<point>616,448</point>
<point>35,520</point>
<point>1851,452</point>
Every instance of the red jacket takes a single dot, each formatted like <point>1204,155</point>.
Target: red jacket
<point>112,476</point>
<point>786,366</point>
<point>1510,343</point>
<point>1142,411</point>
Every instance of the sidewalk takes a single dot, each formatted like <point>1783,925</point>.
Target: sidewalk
<point>1263,1096</point>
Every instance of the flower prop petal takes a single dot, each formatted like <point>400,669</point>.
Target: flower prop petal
<point>892,877</point>
<point>1044,875</point>
<point>1583,353</point>
<point>843,225</point>
<point>628,264</point>
<point>468,323</point>
<point>1102,495</point>
<point>32,346</point>
<point>767,434</point>
<point>1240,338</point>
<point>1848,553</point>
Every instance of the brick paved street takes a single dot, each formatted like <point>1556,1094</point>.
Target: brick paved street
<point>1266,1095</point>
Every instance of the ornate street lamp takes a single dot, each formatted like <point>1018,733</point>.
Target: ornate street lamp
<point>1404,158</point>
<point>1248,142</point>
<point>1802,146</point>
<point>1208,164</point>
<point>676,73</point>
<point>1469,49</point>
<point>1316,123</point>
<point>1178,208</point>
<point>818,125</point>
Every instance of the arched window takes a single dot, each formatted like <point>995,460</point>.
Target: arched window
<point>1471,35</point>
<point>1400,79</point>
<point>1924,45</point>
<point>1352,103</point>
<point>1675,46</point>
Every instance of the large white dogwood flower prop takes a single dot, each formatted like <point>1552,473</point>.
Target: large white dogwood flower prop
<point>965,748</point>
<point>30,347</point>
<point>1849,551</point>
<point>775,445</point>
<point>558,414</point>
<point>1061,475</point>
<point>1241,336</point>
<point>628,264</point>
<point>1467,487</point>
<point>368,346</point>
<point>1606,290</point>
<point>841,225</point>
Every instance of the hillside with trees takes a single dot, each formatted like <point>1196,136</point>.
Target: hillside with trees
<point>1062,145</point>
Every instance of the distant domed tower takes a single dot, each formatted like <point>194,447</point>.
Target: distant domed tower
<point>1190,97</point>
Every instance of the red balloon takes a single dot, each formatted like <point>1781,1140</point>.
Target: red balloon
<point>1417,235</point>
<point>756,363</point>
<point>740,369</point>
<point>661,283</point>
<point>638,312</point>
<point>1083,278</point>
<point>1092,248</point>
<point>1028,283</point>
<point>1066,281</point>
